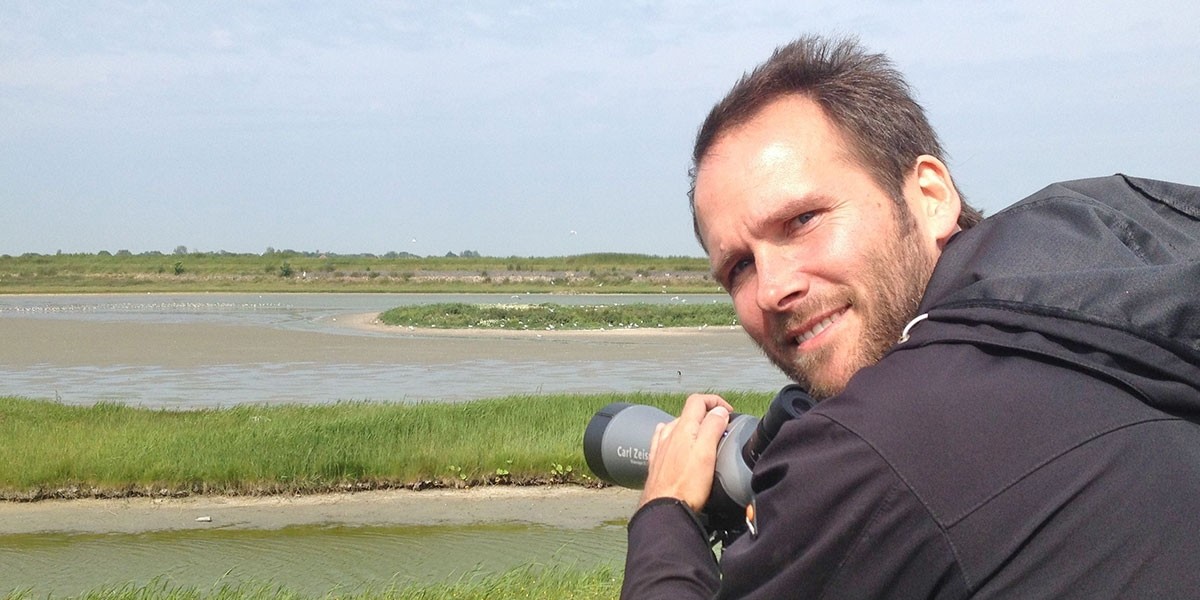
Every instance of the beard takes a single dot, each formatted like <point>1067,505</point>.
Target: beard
<point>892,285</point>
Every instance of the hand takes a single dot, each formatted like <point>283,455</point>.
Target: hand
<point>683,453</point>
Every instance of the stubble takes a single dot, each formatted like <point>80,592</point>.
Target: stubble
<point>893,284</point>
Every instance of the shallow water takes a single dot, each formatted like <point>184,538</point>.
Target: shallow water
<point>311,560</point>
<point>155,350</point>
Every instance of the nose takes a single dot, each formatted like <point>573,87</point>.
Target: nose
<point>781,279</point>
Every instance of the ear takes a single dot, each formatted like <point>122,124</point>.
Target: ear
<point>933,199</point>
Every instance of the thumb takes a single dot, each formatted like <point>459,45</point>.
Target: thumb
<point>714,424</point>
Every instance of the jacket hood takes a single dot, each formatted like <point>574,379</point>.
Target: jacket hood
<point>1103,274</point>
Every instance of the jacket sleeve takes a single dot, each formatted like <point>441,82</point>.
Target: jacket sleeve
<point>668,554</point>
<point>835,521</point>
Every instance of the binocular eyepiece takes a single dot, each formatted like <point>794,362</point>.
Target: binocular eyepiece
<point>616,446</point>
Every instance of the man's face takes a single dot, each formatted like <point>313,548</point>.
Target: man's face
<point>822,273</point>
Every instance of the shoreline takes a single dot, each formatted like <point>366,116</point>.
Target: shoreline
<point>561,506</point>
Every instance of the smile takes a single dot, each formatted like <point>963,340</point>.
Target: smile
<point>819,327</point>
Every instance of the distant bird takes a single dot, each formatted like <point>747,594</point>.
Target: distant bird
<point>573,232</point>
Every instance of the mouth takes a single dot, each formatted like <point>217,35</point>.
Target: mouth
<point>814,329</point>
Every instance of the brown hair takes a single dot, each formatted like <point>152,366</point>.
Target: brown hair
<point>862,93</point>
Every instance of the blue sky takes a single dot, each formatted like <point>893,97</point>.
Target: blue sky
<point>521,128</point>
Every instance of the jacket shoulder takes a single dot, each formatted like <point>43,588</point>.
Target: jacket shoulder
<point>1121,189</point>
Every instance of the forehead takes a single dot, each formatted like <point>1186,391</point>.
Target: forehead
<point>788,148</point>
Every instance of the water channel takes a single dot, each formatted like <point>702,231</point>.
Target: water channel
<point>185,351</point>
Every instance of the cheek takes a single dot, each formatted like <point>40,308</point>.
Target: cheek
<point>748,313</point>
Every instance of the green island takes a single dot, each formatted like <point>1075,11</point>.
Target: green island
<point>552,316</point>
<point>110,450</point>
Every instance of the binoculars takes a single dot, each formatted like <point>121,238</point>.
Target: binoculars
<point>616,446</point>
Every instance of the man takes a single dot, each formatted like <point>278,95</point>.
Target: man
<point>1007,408</point>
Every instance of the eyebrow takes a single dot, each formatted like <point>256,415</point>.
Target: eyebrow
<point>796,205</point>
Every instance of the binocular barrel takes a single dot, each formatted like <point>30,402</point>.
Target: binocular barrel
<point>616,443</point>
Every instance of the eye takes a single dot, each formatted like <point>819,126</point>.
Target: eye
<point>736,271</point>
<point>804,218</point>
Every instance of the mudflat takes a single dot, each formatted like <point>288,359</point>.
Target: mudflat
<point>34,341</point>
<point>562,506</point>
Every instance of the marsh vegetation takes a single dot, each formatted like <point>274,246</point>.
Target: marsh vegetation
<point>291,271</point>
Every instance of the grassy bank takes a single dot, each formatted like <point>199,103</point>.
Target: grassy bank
<point>558,316</point>
<point>51,450</point>
<point>528,583</point>
<point>290,271</point>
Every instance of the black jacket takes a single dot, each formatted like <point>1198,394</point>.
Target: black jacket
<point>1035,436</point>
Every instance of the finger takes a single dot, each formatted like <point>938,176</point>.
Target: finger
<point>694,408</point>
<point>654,440</point>
<point>714,424</point>
<point>666,429</point>
<point>707,401</point>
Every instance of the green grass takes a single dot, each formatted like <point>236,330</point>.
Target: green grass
<point>524,583</point>
<point>557,316</point>
<point>51,450</point>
